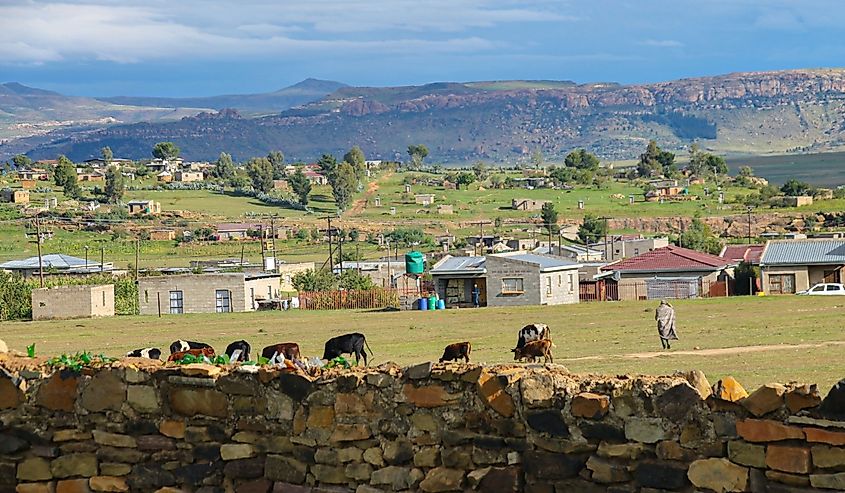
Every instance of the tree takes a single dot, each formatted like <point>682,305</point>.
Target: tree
<point>549,215</point>
<point>65,176</point>
<point>328,166</point>
<point>351,279</point>
<point>166,151</point>
<point>141,170</point>
<point>224,168</point>
<point>464,178</point>
<point>344,185</point>
<point>581,159</point>
<point>313,280</point>
<point>480,170</point>
<point>300,186</point>
<point>746,171</point>
<point>698,236</point>
<point>277,160</point>
<point>115,186</point>
<point>592,229</point>
<point>107,155</point>
<point>701,163</point>
<point>655,160</point>
<point>21,161</point>
<point>261,173</point>
<point>407,236</point>
<point>794,187</point>
<point>418,153</point>
<point>355,157</point>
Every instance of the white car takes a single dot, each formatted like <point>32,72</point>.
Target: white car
<point>825,289</point>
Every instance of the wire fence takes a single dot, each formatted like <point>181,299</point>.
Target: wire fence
<point>654,289</point>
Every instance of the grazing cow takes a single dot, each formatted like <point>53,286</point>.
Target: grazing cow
<point>533,332</point>
<point>347,344</point>
<point>456,351</point>
<point>208,352</point>
<point>534,349</point>
<point>150,352</point>
<point>290,350</point>
<point>243,346</point>
<point>181,345</point>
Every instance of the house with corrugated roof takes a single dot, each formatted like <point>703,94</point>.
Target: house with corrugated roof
<point>56,263</point>
<point>750,254</point>
<point>506,279</point>
<point>789,266</point>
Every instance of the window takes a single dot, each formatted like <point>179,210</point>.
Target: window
<point>817,289</point>
<point>104,298</point>
<point>832,287</point>
<point>269,292</point>
<point>571,283</point>
<point>512,285</point>
<point>223,299</point>
<point>176,305</point>
<point>782,283</point>
<point>146,296</point>
<point>559,281</point>
<point>549,285</point>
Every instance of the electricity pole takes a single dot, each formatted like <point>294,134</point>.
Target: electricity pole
<point>137,257</point>
<point>749,223</point>
<point>38,243</point>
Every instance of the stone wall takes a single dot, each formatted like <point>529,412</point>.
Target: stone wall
<point>73,302</point>
<point>431,428</point>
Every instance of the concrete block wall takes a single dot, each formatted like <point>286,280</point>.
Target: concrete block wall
<point>563,291</point>
<point>499,268</point>
<point>73,302</point>
<point>198,292</point>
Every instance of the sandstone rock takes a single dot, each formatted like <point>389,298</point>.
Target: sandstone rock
<point>803,397</point>
<point>379,380</point>
<point>281,468</point>
<point>442,479</point>
<point>35,488</point>
<point>350,433</point>
<point>202,370</point>
<point>105,391</point>
<point>153,443</point>
<point>788,458</point>
<point>537,391</point>
<point>114,469</point>
<point>358,471</point>
<point>254,486</point>
<point>11,396</point>
<point>73,486</point>
<point>829,481</point>
<point>74,465</point>
<point>545,466</point>
<point>816,435</point>
<point>670,450</point>
<point>398,452</point>
<point>474,477</point>
<point>486,456</point>
<point>374,456</point>
<point>418,372</point>
<point>142,398</point>
<point>329,474</point>
<point>678,401</point>
<point>828,457</point>
<point>234,469</point>
<point>233,451</point>
<point>114,439</point>
<point>194,401</point>
<point>363,488</point>
<point>172,428</point>
<point>9,444</point>
<point>354,404</point>
<point>427,457</point>
<point>58,393</point>
<point>729,389</point>
<point>70,435</point>
<point>493,393</point>
<point>747,454</point>
<point>589,405</point>
<point>764,400</point>
<point>34,469</point>
<point>3,347</point>
<point>349,454</point>
<point>399,478</point>
<point>320,417</point>
<point>607,471</point>
<point>719,475</point>
<point>628,451</point>
<point>645,430</point>
<point>785,478</point>
<point>428,396</point>
<point>698,381</point>
<point>760,430</point>
<point>108,483</point>
<point>326,456</point>
<point>424,422</point>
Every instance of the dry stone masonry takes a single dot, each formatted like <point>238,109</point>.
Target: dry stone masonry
<point>142,427</point>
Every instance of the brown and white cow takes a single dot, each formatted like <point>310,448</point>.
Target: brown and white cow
<point>456,351</point>
<point>208,352</point>
<point>290,350</point>
<point>533,332</point>
<point>534,349</point>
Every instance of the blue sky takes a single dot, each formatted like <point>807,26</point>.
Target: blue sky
<point>207,47</point>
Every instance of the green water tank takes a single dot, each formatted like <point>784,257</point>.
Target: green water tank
<point>414,263</point>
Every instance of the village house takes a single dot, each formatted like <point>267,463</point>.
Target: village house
<point>206,293</point>
<point>66,302</point>
<point>15,196</point>
<point>90,175</point>
<point>237,231</point>
<point>670,272</point>
<point>316,178</point>
<point>162,235</point>
<point>100,163</point>
<point>159,165</point>
<point>148,207</point>
<point>445,209</point>
<point>574,253</point>
<point>750,254</point>
<point>528,204</point>
<point>506,279</point>
<point>522,244</point>
<point>617,247</point>
<point>33,174</point>
<point>288,270</point>
<point>57,263</point>
<point>790,266</point>
<point>188,176</point>
<point>424,198</point>
<point>383,273</point>
<point>164,177</point>
<point>797,201</point>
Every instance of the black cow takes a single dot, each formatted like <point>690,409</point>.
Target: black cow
<point>532,332</point>
<point>347,344</point>
<point>180,345</point>
<point>243,346</point>
<point>150,352</point>
<point>456,351</point>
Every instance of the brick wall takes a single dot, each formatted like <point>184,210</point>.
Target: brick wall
<point>73,302</point>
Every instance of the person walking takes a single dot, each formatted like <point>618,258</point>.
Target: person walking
<point>476,295</point>
<point>665,317</point>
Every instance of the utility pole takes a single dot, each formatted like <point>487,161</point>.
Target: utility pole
<point>242,254</point>
<point>330,260</point>
<point>273,237</point>
<point>749,223</point>
<point>261,234</point>
<point>38,243</point>
<point>480,236</point>
<point>86,259</point>
<point>389,271</point>
<point>102,259</point>
<point>137,257</point>
<point>340,250</point>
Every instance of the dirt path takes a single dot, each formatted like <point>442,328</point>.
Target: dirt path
<point>712,352</point>
<point>359,205</point>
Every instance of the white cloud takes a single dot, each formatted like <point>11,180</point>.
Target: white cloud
<point>127,31</point>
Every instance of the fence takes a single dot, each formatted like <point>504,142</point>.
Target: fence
<point>654,289</point>
<point>349,300</point>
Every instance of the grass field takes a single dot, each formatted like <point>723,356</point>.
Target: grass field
<point>757,340</point>
<point>822,169</point>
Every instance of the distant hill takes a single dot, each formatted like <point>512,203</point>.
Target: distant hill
<point>272,102</point>
<point>505,121</point>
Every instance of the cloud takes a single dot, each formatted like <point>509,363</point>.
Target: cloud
<point>127,31</point>
<point>662,43</point>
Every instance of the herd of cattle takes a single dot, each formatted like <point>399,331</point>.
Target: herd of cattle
<point>534,341</point>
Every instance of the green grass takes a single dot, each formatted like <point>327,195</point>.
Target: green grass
<point>822,169</point>
<point>590,338</point>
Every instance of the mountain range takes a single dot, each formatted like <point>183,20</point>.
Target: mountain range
<point>499,121</point>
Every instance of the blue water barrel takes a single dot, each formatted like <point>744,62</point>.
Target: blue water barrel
<point>423,303</point>
<point>441,304</point>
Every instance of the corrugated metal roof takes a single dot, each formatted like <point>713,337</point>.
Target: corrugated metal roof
<point>51,261</point>
<point>543,261</point>
<point>460,264</point>
<point>670,259</point>
<point>804,252</point>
